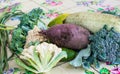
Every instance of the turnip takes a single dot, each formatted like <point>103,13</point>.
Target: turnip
<point>68,35</point>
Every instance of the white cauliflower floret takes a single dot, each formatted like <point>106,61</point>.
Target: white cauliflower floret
<point>34,35</point>
<point>42,57</point>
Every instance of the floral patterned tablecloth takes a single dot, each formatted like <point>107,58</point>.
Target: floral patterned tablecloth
<point>53,8</point>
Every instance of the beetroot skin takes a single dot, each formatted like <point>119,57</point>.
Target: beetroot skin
<point>68,35</point>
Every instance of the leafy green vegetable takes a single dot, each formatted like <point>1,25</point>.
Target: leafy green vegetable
<point>80,59</point>
<point>27,22</point>
<point>41,58</point>
<point>105,46</point>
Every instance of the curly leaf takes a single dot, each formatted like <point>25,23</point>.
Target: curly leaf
<point>105,45</point>
<point>78,61</point>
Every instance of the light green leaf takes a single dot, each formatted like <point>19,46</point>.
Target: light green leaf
<point>78,61</point>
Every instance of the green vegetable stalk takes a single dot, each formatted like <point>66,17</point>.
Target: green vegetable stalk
<point>4,32</point>
<point>3,47</point>
<point>3,51</point>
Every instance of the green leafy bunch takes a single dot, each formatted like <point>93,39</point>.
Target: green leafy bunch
<point>27,22</point>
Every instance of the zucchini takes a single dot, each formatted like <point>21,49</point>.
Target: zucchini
<point>71,54</point>
<point>94,21</point>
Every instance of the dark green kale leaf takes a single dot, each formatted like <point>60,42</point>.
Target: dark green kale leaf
<point>115,11</point>
<point>105,46</point>
<point>27,22</point>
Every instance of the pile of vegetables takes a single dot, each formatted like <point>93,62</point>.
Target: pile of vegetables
<point>4,32</point>
<point>83,32</point>
<point>36,58</point>
<point>104,39</point>
<point>18,34</point>
<point>104,46</point>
